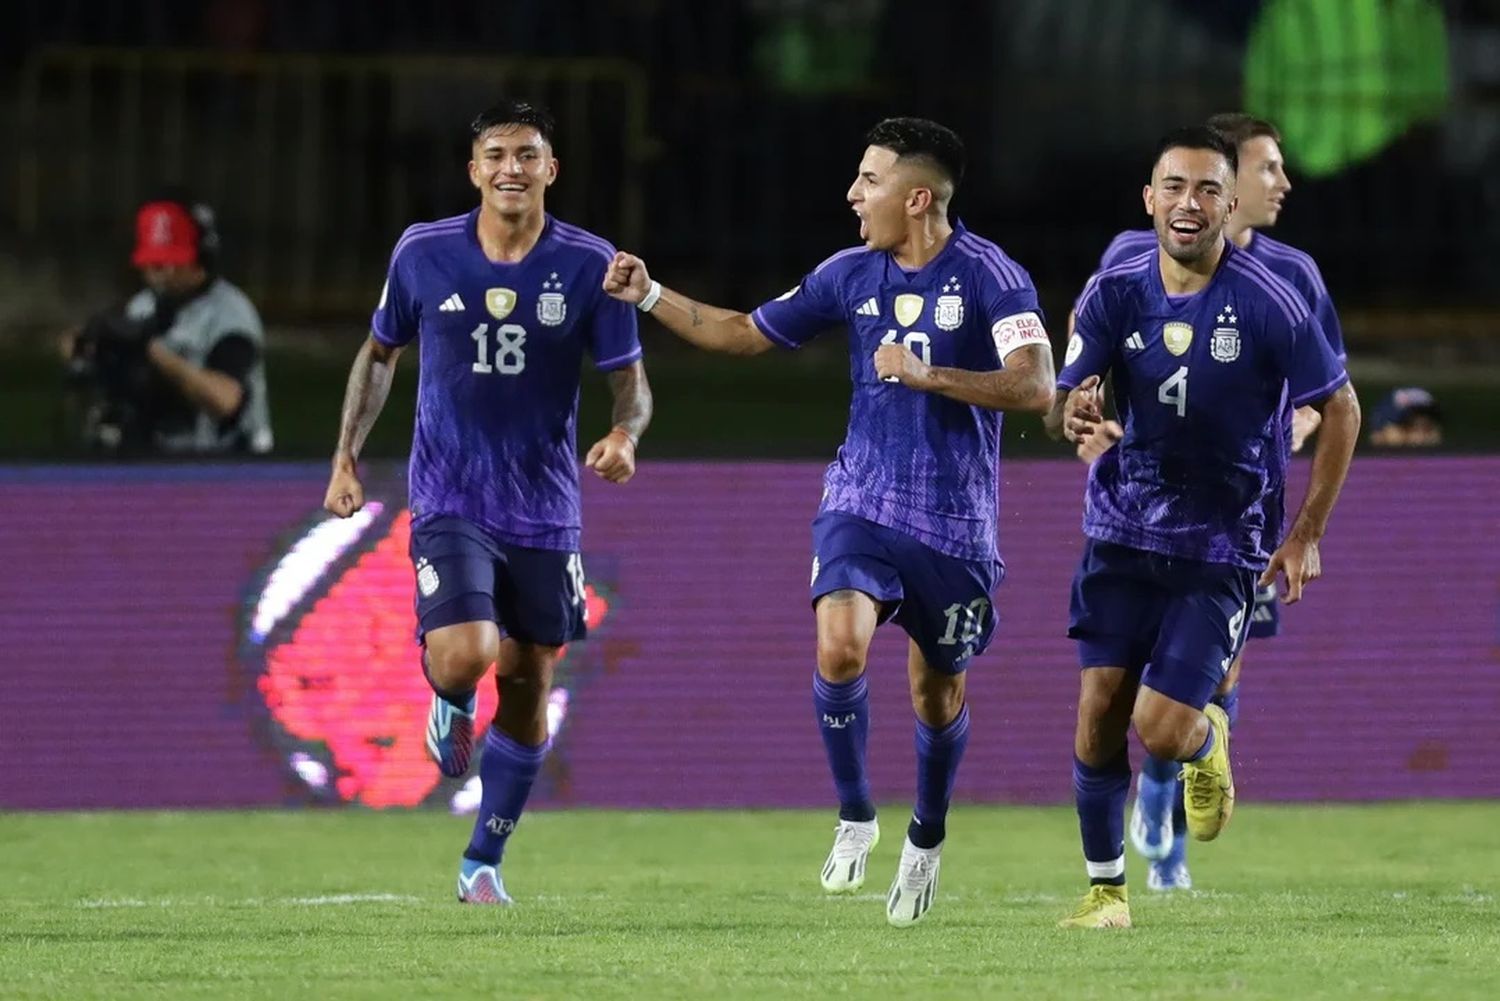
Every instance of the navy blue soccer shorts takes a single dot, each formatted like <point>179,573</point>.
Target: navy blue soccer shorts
<point>465,574</point>
<point>1265,617</point>
<point>1178,623</point>
<point>942,602</point>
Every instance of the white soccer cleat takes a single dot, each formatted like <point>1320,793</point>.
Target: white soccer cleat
<point>853,840</point>
<point>915,886</point>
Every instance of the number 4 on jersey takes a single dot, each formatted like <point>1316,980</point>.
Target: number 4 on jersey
<point>1173,392</point>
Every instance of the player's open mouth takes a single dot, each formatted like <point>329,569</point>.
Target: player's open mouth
<point>1185,229</point>
<point>514,189</point>
<point>864,225</point>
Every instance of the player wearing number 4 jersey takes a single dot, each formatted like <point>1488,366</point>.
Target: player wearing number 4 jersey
<point>944,331</point>
<point>503,302</point>
<point>1206,347</point>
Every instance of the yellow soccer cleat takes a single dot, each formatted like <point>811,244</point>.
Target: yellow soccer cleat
<point>1208,784</point>
<point>1105,906</point>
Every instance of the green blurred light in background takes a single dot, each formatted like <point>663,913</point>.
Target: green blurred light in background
<point>1343,79</point>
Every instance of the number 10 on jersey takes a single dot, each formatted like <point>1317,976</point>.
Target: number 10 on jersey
<point>509,356</point>
<point>915,341</point>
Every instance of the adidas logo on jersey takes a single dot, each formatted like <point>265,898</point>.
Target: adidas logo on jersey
<point>869,307</point>
<point>452,304</point>
<point>1134,342</point>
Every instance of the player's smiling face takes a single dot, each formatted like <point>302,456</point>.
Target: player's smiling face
<point>880,196</point>
<point>512,167</point>
<point>1190,198</point>
<point>1261,184</point>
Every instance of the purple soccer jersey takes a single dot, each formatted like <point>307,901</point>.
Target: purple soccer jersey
<point>913,461</point>
<point>501,348</point>
<point>1287,262</point>
<point>1200,383</point>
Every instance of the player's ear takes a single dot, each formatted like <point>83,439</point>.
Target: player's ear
<point>474,174</point>
<point>552,167</point>
<point>918,201</point>
<point>1149,198</point>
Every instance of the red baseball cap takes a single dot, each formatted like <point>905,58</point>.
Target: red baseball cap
<point>165,234</point>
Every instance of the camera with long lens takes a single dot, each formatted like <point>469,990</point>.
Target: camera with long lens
<point>113,383</point>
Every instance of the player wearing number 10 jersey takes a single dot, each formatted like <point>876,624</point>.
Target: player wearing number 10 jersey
<point>944,332</point>
<point>1206,347</point>
<point>503,302</point>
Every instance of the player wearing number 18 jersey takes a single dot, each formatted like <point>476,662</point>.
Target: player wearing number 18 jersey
<point>503,303</point>
<point>944,332</point>
<point>1206,347</point>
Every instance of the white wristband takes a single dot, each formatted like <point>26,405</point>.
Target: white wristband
<point>652,295</point>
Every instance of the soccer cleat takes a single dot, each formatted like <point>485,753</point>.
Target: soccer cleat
<point>480,883</point>
<point>1104,906</point>
<point>450,735</point>
<point>915,885</point>
<point>1151,818</point>
<point>844,872</point>
<point>1208,784</point>
<point>1168,875</point>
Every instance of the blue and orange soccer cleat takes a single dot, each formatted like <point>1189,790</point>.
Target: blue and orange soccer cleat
<point>450,735</point>
<point>480,883</point>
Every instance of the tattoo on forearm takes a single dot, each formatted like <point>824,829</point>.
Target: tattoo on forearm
<point>697,320</point>
<point>632,395</point>
<point>364,397</point>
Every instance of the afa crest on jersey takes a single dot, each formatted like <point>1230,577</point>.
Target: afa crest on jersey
<point>1225,346</point>
<point>948,314</point>
<point>551,308</point>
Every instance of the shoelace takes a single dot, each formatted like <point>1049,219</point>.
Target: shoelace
<point>847,836</point>
<point>1200,788</point>
<point>1097,897</point>
<point>916,877</point>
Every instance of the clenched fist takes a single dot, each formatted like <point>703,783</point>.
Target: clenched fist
<point>626,278</point>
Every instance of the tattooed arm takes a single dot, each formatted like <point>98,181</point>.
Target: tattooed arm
<point>613,456</point>
<point>710,327</point>
<point>369,385</point>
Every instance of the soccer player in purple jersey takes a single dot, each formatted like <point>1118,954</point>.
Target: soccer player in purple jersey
<point>1158,821</point>
<point>503,301</point>
<point>944,332</point>
<point>1206,347</point>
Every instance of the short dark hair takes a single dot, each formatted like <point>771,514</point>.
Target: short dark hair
<point>1239,128</point>
<point>921,139</point>
<point>510,112</point>
<point>1198,137</point>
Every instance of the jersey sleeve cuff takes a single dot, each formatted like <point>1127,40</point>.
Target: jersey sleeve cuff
<point>619,361</point>
<point>772,334</point>
<point>1322,393</point>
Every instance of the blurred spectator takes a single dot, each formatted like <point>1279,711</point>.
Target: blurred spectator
<point>1408,418</point>
<point>180,369</point>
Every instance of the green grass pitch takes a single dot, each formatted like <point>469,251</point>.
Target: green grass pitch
<point>1390,901</point>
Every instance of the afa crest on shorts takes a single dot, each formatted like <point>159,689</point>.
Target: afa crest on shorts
<point>427,578</point>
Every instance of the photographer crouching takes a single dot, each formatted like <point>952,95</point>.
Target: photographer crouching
<point>180,369</point>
